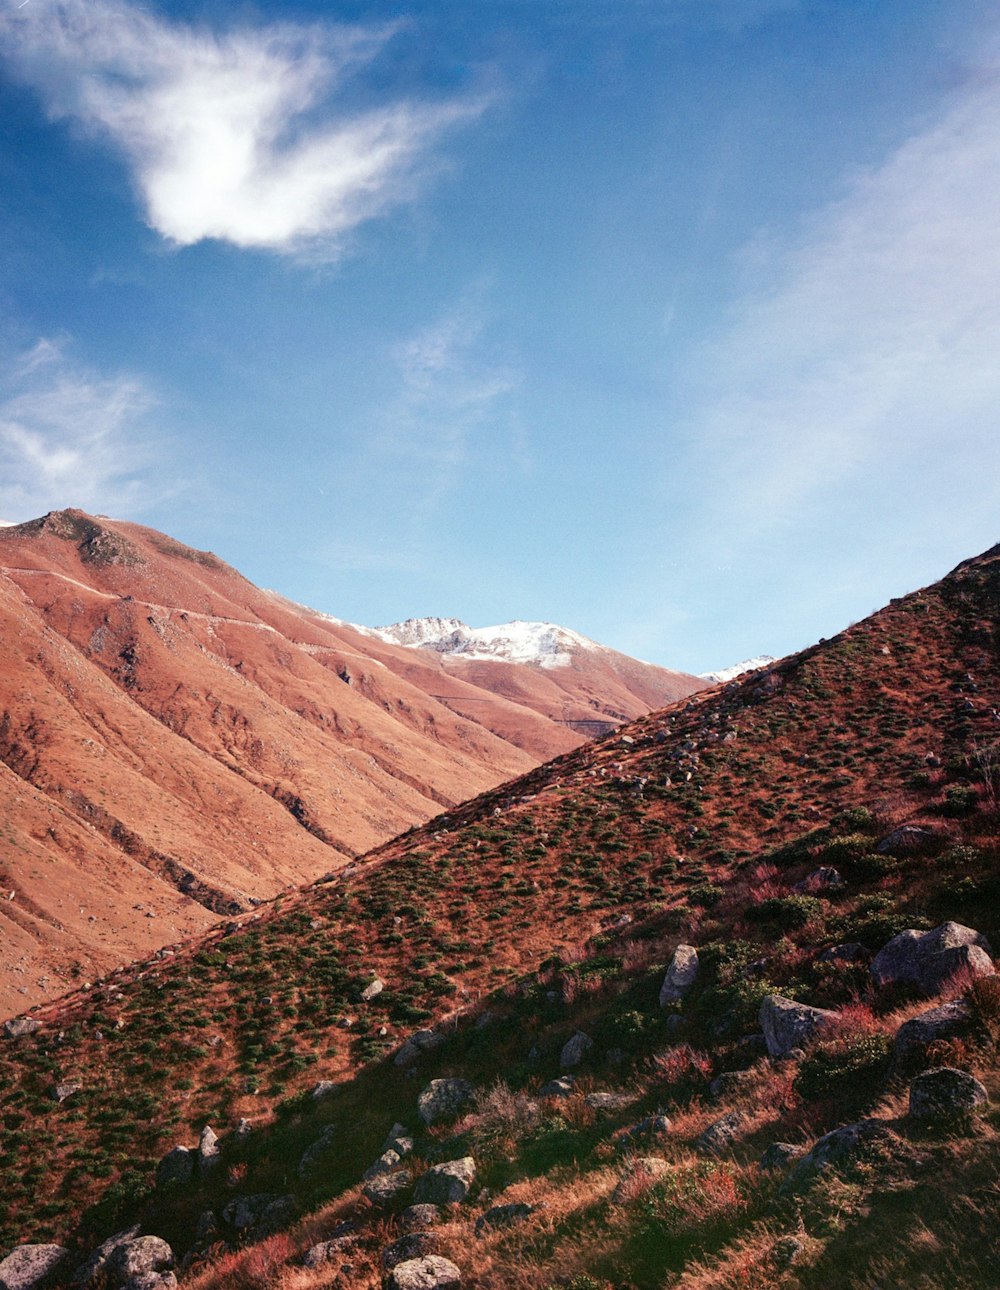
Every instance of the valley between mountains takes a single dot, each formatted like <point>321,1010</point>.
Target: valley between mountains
<point>177,745</point>
<point>708,1002</point>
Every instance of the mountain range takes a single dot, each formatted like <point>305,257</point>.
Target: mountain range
<point>177,744</point>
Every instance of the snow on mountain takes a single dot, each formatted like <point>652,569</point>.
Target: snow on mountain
<point>737,669</point>
<point>543,644</point>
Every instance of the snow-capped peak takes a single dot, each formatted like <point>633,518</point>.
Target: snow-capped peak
<point>737,669</point>
<point>543,644</point>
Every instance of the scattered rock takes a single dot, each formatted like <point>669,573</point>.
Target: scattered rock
<point>317,1152</point>
<point>787,1024</point>
<point>574,1050</point>
<point>905,839</point>
<point>418,1216</point>
<point>824,878</point>
<point>61,1092</point>
<point>324,1088</point>
<point>330,1249</point>
<point>372,990</point>
<point>431,1272</point>
<point>779,1155</point>
<point>209,1151</point>
<point>851,952</point>
<point>946,1095</point>
<point>504,1216</point>
<point>384,1189</point>
<point>176,1167</point>
<point>419,1043</point>
<point>639,1174</point>
<point>837,1150</point>
<point>608,1103</point>
<point>929,959</point>
<point>785,1251</point>
<point>385,1164</point>
<point>564,1086</point>
<point>653,1126</point>
<point>261,1214</point>
<point>27,1266</point>
<point>915,1036</point>
<point>414,1245</point>
<point>141,1258</point>
<point>87,1273</point>
<point>728,1084</point>
<point>243,1130</point>
<point>443,1099</point>
<point>681,975</point>
<point>17,1028</point>
<point>722,1134</point>
<point>445,1183</point>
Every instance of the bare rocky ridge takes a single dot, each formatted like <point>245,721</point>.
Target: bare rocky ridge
<point>176,744</point>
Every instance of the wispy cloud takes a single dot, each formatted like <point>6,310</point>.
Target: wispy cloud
<point>70,437</point>
<point>237,135</point>
<point>865,362</point>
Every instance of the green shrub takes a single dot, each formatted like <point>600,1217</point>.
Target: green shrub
<point>787,912</point>
<point>850,1071</point>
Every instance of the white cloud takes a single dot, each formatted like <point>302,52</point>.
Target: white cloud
<point>865,362</point>
<point>69,437</point>
<point>232,135</point>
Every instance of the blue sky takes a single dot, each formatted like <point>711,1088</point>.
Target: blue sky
<point>673,321</point>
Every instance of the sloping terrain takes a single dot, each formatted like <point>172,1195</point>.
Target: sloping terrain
<point>787,826</point>
<point>176,744</point>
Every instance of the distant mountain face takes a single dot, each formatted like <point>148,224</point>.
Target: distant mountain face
<point>737,669</point>
<point>176,743</point>
<point>538,644</point>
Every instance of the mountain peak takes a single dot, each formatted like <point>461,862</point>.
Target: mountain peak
<point>542,644</point>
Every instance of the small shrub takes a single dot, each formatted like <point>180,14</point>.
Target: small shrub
<point>849,1070</point>
<point>787,912</point>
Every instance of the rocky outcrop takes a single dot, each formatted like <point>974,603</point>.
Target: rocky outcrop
<point>209,1151</point>
<point>787,1024</point>
<point>259,1215</point>
<point>722,1134</point>
<point>928,960</point>
<point>946,1095</point>
<point>443,1099</point>
<point>414,1245</point>
<point>17,1028</point>
<point>446,1183</point>
<point>385,1189</point>
<point>419,1043</point>
<point>681,975</point>
<point>144,1263</point>
<point>176,1167</point>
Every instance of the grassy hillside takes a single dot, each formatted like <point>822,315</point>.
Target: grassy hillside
<point>551,906</point>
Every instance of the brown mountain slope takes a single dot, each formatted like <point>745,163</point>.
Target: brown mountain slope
<point>176,743</point>
<point>696,823</point>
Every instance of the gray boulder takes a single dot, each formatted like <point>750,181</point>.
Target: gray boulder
<point>317,1152</point>
<point>779,1155</point>
<point>838,1150</point>
<point>372,990</point>
<point>915,1036</point>
<point>446,1183</point>
<point>574,1050</point>
<point>415,1217</point>
<point>144,1256</point>
<point>324,1251</point>
<point>639,1173</point>
<point>27,1266</point>
<point>209,1151</point>
<point>723,1134</point>
<point>443,1099</point>
<point>564,1086</point>
<point>945,1095</point>
<point>432,1272</point>
<point>176,1167</point>
<point>504,1216</point>
<point>88,1272</point>
<point>787,1024</point>
<point>653,1126</point>
<point>17,1028</point>
<point>905,839</point>
<point>824,878</point>
<point>851,952</point>
<point>928,960</point>
<point>385,1164</point>
<point>609,1103</point>
<point>681,975</point>
<point>323,1088</point>
<point>260,1214</point>
<point>414,1245</point>
<point>384,1189</point>
<point>729,1084</point>
<point>60,1092</point>
<point>419,1043</point>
